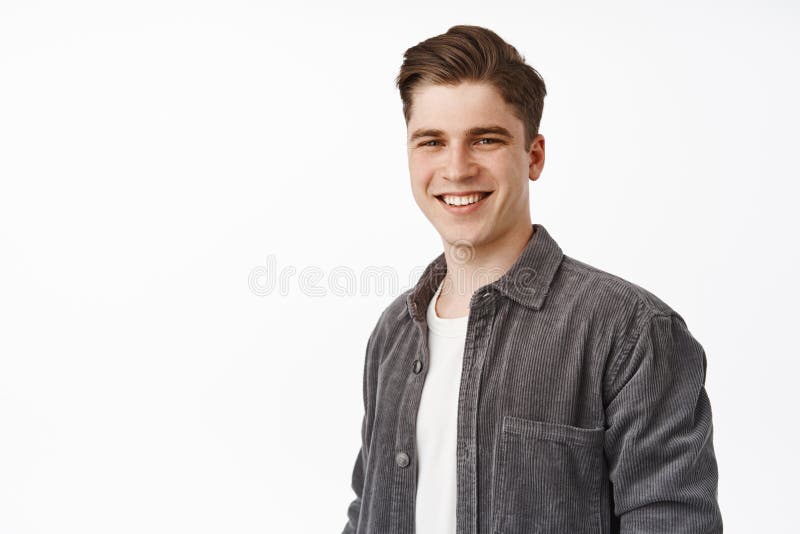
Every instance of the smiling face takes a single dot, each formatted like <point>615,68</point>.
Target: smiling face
<point>466,145</point>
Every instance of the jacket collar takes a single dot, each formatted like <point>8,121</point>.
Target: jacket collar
<point>527,281</point>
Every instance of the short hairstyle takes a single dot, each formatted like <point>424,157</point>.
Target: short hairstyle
<point>472,53</point>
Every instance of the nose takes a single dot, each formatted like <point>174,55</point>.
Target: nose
<point>460,165</point>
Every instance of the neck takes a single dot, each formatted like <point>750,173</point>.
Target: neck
<point>470,268</point>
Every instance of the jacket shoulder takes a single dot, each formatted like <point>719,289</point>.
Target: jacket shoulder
<point>393,319</point>
<point>618,309</point>
<point>592,282</point>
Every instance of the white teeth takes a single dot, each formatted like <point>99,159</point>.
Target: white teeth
<point>454,200</point>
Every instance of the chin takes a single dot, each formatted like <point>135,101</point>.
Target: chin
<point>471,235</point>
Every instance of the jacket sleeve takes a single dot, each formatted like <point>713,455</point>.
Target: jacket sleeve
<point>658,443</point>
<point>357,482</point>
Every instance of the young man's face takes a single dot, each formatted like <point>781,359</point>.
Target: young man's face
<point>465,140</point>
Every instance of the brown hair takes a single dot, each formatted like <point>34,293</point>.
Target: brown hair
<point>473,53</point>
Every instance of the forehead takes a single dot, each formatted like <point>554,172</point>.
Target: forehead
<point>457,108</point>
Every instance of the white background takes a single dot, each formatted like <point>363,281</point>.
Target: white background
<point>154,155</point>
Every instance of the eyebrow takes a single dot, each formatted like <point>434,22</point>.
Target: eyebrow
<point>472,132</point>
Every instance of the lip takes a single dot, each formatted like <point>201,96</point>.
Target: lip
<point>464,210</point>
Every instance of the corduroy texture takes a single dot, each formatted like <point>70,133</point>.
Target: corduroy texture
<point>582,408</point>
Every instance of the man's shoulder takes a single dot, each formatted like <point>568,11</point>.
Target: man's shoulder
<point>397,310</point>
<point>393,318</point>
<point>619,309</point>
<point>608,290</point>
<point>578,287</point>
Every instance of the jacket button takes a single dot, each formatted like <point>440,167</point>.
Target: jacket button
<point>402,459</point>
<point>417,367</point>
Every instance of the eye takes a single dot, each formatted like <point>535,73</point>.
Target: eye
<point>491,140</point>
<point>428,143</point>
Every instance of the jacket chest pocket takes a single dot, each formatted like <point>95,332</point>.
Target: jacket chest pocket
<point>547,478</point>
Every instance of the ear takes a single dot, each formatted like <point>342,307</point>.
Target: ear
<point>536,157</point>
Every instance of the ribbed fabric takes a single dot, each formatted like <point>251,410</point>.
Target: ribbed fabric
<point>582,408</point>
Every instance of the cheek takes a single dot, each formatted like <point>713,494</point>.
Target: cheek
<point>420,174</point>
<point>419,188</point>
<point>513,174</point>
<point>418,183</point>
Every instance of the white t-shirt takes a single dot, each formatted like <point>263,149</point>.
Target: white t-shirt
<point>437,420</point>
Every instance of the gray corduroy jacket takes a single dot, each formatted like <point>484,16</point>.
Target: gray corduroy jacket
<point>582,408</point>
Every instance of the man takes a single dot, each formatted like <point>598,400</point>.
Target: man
<point>515,389</point>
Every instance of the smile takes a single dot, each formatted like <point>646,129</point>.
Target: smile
<point>463,203</point>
